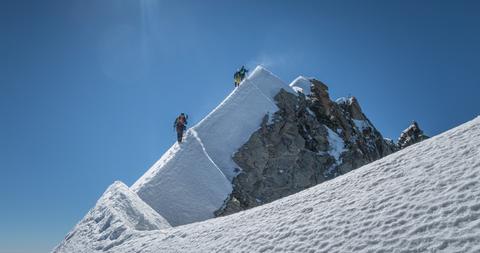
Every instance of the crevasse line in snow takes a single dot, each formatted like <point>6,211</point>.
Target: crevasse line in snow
<point>195,135</point>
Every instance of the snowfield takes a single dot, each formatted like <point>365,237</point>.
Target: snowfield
<point>425,198</point>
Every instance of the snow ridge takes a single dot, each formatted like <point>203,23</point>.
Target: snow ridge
<point>193,179</point>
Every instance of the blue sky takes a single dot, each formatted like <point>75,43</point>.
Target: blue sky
<point>89,89</point>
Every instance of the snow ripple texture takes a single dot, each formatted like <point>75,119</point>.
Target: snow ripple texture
<point>425,198</point>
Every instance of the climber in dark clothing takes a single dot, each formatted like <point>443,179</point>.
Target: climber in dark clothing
<point>180,125</point>
<point>240,75</point>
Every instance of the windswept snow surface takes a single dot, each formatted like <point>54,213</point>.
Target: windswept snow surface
<point>425,198</point>
<point>192,180</point>
<point>301,84</point>
<point>116,215</point>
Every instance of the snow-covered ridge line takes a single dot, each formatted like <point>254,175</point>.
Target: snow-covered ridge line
<point>194,178</point>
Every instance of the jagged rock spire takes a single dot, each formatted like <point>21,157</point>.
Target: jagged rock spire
<point>411,135</point>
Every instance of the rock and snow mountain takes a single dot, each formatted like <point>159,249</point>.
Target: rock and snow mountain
<point>116,215</point>
<point>190,181</point>
<point>424,198</point>
<point>309,140</point>
<point>276,140</point>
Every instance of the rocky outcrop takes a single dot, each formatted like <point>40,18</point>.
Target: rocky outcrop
<point>411,135</point>
<point>309,140</point>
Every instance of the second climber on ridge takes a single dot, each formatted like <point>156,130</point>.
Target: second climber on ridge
<point>240,75</point>
<point>180,125</point>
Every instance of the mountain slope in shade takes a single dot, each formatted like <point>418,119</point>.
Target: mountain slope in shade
<point>424,198</point>
<point>194,178</point>
<point>117,214</point>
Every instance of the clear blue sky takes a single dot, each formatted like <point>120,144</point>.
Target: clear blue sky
<point>89,89</point>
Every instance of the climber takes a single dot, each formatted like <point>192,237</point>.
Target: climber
<point>180,126</point>
<point>240,75</point>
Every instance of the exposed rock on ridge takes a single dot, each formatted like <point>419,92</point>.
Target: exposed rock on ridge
<point>411,135</point>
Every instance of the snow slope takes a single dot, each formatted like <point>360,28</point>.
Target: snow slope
<point>425,198</point>
<point>116,215</point>
<point>192,180</point>
<point>301,84</point>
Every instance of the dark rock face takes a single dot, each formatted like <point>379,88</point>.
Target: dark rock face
<point>411,135</point>
<point>310,139</point>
